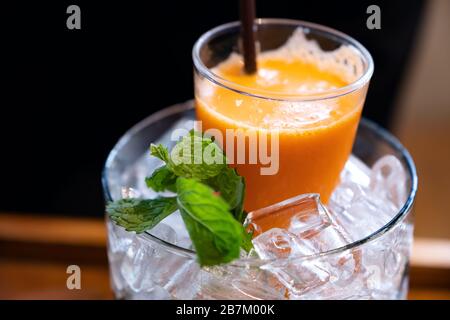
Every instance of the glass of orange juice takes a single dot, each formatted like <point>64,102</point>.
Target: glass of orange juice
<point>289,128</point>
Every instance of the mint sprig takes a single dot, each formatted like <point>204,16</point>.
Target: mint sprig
<point>216,235</point>
<point>210,197</point>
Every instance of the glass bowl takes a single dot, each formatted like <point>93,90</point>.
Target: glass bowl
<point>150,266</point>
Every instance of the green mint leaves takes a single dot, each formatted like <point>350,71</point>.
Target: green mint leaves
<point>141,214</point>
<point>210,197</point>
<point>231,187</point>
<point>216,235</point>
<point>160,152</point>
<point>162,179</point>
<point>194,156</point>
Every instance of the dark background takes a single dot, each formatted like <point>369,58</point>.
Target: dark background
<point>68,95</point>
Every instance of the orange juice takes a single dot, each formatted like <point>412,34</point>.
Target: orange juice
<point>315,135</point>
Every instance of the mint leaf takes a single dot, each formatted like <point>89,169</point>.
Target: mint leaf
<point>247,240</point>
<point>198,157</point>
<point>194,156</point>
<point>162,179</point>
<point>232,189</point>
<point>216,235</point>
<point>160,151</point>
<point>140,214</point>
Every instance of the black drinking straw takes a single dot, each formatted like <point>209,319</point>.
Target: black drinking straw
<point>247,13</point>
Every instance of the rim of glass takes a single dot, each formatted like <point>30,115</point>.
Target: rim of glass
<point>268,95</point>
<point>182,107</point>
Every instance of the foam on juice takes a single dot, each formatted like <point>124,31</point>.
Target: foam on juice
<point>298,69</point>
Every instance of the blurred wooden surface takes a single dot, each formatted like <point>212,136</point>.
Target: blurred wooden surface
<point>35,252</point>
<point>422,122</point>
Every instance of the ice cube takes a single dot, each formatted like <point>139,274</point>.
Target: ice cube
<point>388,180</point>
<point>177,274</point>
<point>134,268</point>
<point>301,214</point>
<point>173,230</point>
<point>299,226</point>
<point>185,281</point>
<point>276,243</point>
<point>118,238</point>
<point>361,209</point>
<point>119,241</point>
<point>257,287</point>
<point>151,270</point>
<point>292,231</point>
<point>358,211</point>
<point>367,199</point>
<point>356,171</point>
<point>177,224</point>
<point>164,232</point>
<point>238,283</point>
<point>297,275</point>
